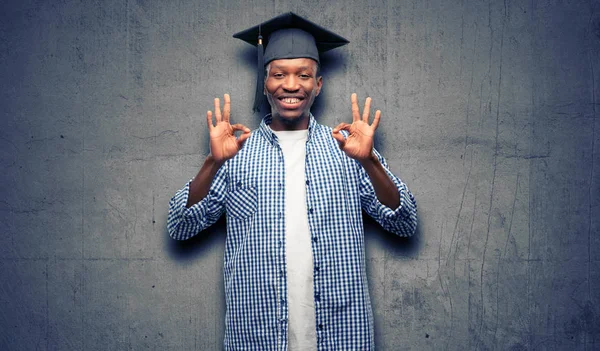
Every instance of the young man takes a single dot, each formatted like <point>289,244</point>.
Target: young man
<point>293,191</point>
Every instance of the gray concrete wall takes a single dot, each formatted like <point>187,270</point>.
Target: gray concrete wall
<point>490,115</point>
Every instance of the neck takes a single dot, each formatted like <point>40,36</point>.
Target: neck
<point>279,123</point>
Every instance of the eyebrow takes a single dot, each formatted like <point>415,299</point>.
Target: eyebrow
<point>303,68</point>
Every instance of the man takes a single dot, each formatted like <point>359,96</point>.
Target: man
<point>293,191</point>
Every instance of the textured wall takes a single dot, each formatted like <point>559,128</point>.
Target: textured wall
<point>490,115</point>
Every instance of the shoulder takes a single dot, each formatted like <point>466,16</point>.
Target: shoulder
<point>324,132</point>
<point>325,144</point>
<point>256,138</point>
<point>253,147</point>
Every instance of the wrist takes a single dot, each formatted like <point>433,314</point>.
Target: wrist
<point>214,162</point>
<point>369,160</point>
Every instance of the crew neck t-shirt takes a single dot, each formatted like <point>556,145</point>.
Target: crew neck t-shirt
<point>298,249</point>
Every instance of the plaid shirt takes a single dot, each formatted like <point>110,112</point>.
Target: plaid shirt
<point>250,189</point>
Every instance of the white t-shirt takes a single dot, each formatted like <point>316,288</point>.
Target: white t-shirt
<point>298,248</point>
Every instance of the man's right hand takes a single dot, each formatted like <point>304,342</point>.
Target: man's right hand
<point>223,143</point>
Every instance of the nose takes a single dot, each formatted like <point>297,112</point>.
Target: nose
<point>290,83</point>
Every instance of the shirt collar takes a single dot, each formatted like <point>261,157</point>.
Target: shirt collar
<point>272,138</point>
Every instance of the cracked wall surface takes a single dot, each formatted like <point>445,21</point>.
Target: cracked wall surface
<point>491,115</point>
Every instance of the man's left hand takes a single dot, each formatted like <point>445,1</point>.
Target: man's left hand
<point>359,143</point>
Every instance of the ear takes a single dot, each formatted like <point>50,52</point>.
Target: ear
<point>319,84</point>
<point>265,77</point>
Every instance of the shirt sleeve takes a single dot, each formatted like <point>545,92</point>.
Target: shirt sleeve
<point>184,223</point>
<point>401,221</point>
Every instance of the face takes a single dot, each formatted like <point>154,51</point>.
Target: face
<point>291,86</point>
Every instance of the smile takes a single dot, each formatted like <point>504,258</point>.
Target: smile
<point>290,100</point>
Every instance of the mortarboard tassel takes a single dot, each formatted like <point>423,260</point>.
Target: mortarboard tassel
<point>260,79</point>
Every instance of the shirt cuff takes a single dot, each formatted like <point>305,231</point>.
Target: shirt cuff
<point>196,211</point>
<point>403,209</point>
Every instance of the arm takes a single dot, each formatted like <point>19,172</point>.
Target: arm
<point>383,196</point>
<point>199,186</point>
<point>185,222</point>
<point>384,187</point>
<point>201,202</point>
<point>400,219</point>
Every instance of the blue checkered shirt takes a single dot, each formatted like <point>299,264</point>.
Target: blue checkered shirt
<point>250,189</point>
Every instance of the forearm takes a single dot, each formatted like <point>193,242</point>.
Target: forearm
<point>200,185</point>
<point>385,189</point>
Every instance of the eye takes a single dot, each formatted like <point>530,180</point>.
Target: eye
<point>305,76</point>
<point>278,75</point>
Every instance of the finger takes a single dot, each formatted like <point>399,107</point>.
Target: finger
<point>226,108</point>
<point>376,119</point>
<point>209,120</point>
<point>367,110</point>
<point>355,113</point>
<point>242,139</point>
<point>341,126</point>
<point>241,127</point>
<point>218,110</point>
<point>340,139</point>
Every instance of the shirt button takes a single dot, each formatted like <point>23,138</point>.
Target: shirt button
<point>320,326</point>
<point>317,297</point>
<point>239,183</point>
<point>316,268</point>
<point>307,182</point>
<point>310,210</point>
<point>315,239</point>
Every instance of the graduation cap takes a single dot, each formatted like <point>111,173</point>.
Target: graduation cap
<point>287,36</point>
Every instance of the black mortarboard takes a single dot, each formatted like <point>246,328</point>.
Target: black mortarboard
<point>287,36</point>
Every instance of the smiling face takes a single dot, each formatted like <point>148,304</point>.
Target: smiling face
<point>291,86</point>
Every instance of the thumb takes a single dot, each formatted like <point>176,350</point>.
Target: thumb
<point>340,138</point>
<point>242,139</point>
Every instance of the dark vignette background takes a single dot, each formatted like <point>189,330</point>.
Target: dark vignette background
<point>490,115</point>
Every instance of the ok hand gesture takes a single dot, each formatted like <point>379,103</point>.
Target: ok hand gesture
<point>359,143</point>
<point>223,144</point>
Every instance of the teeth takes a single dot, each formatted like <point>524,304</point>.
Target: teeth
<point>291,100</point>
